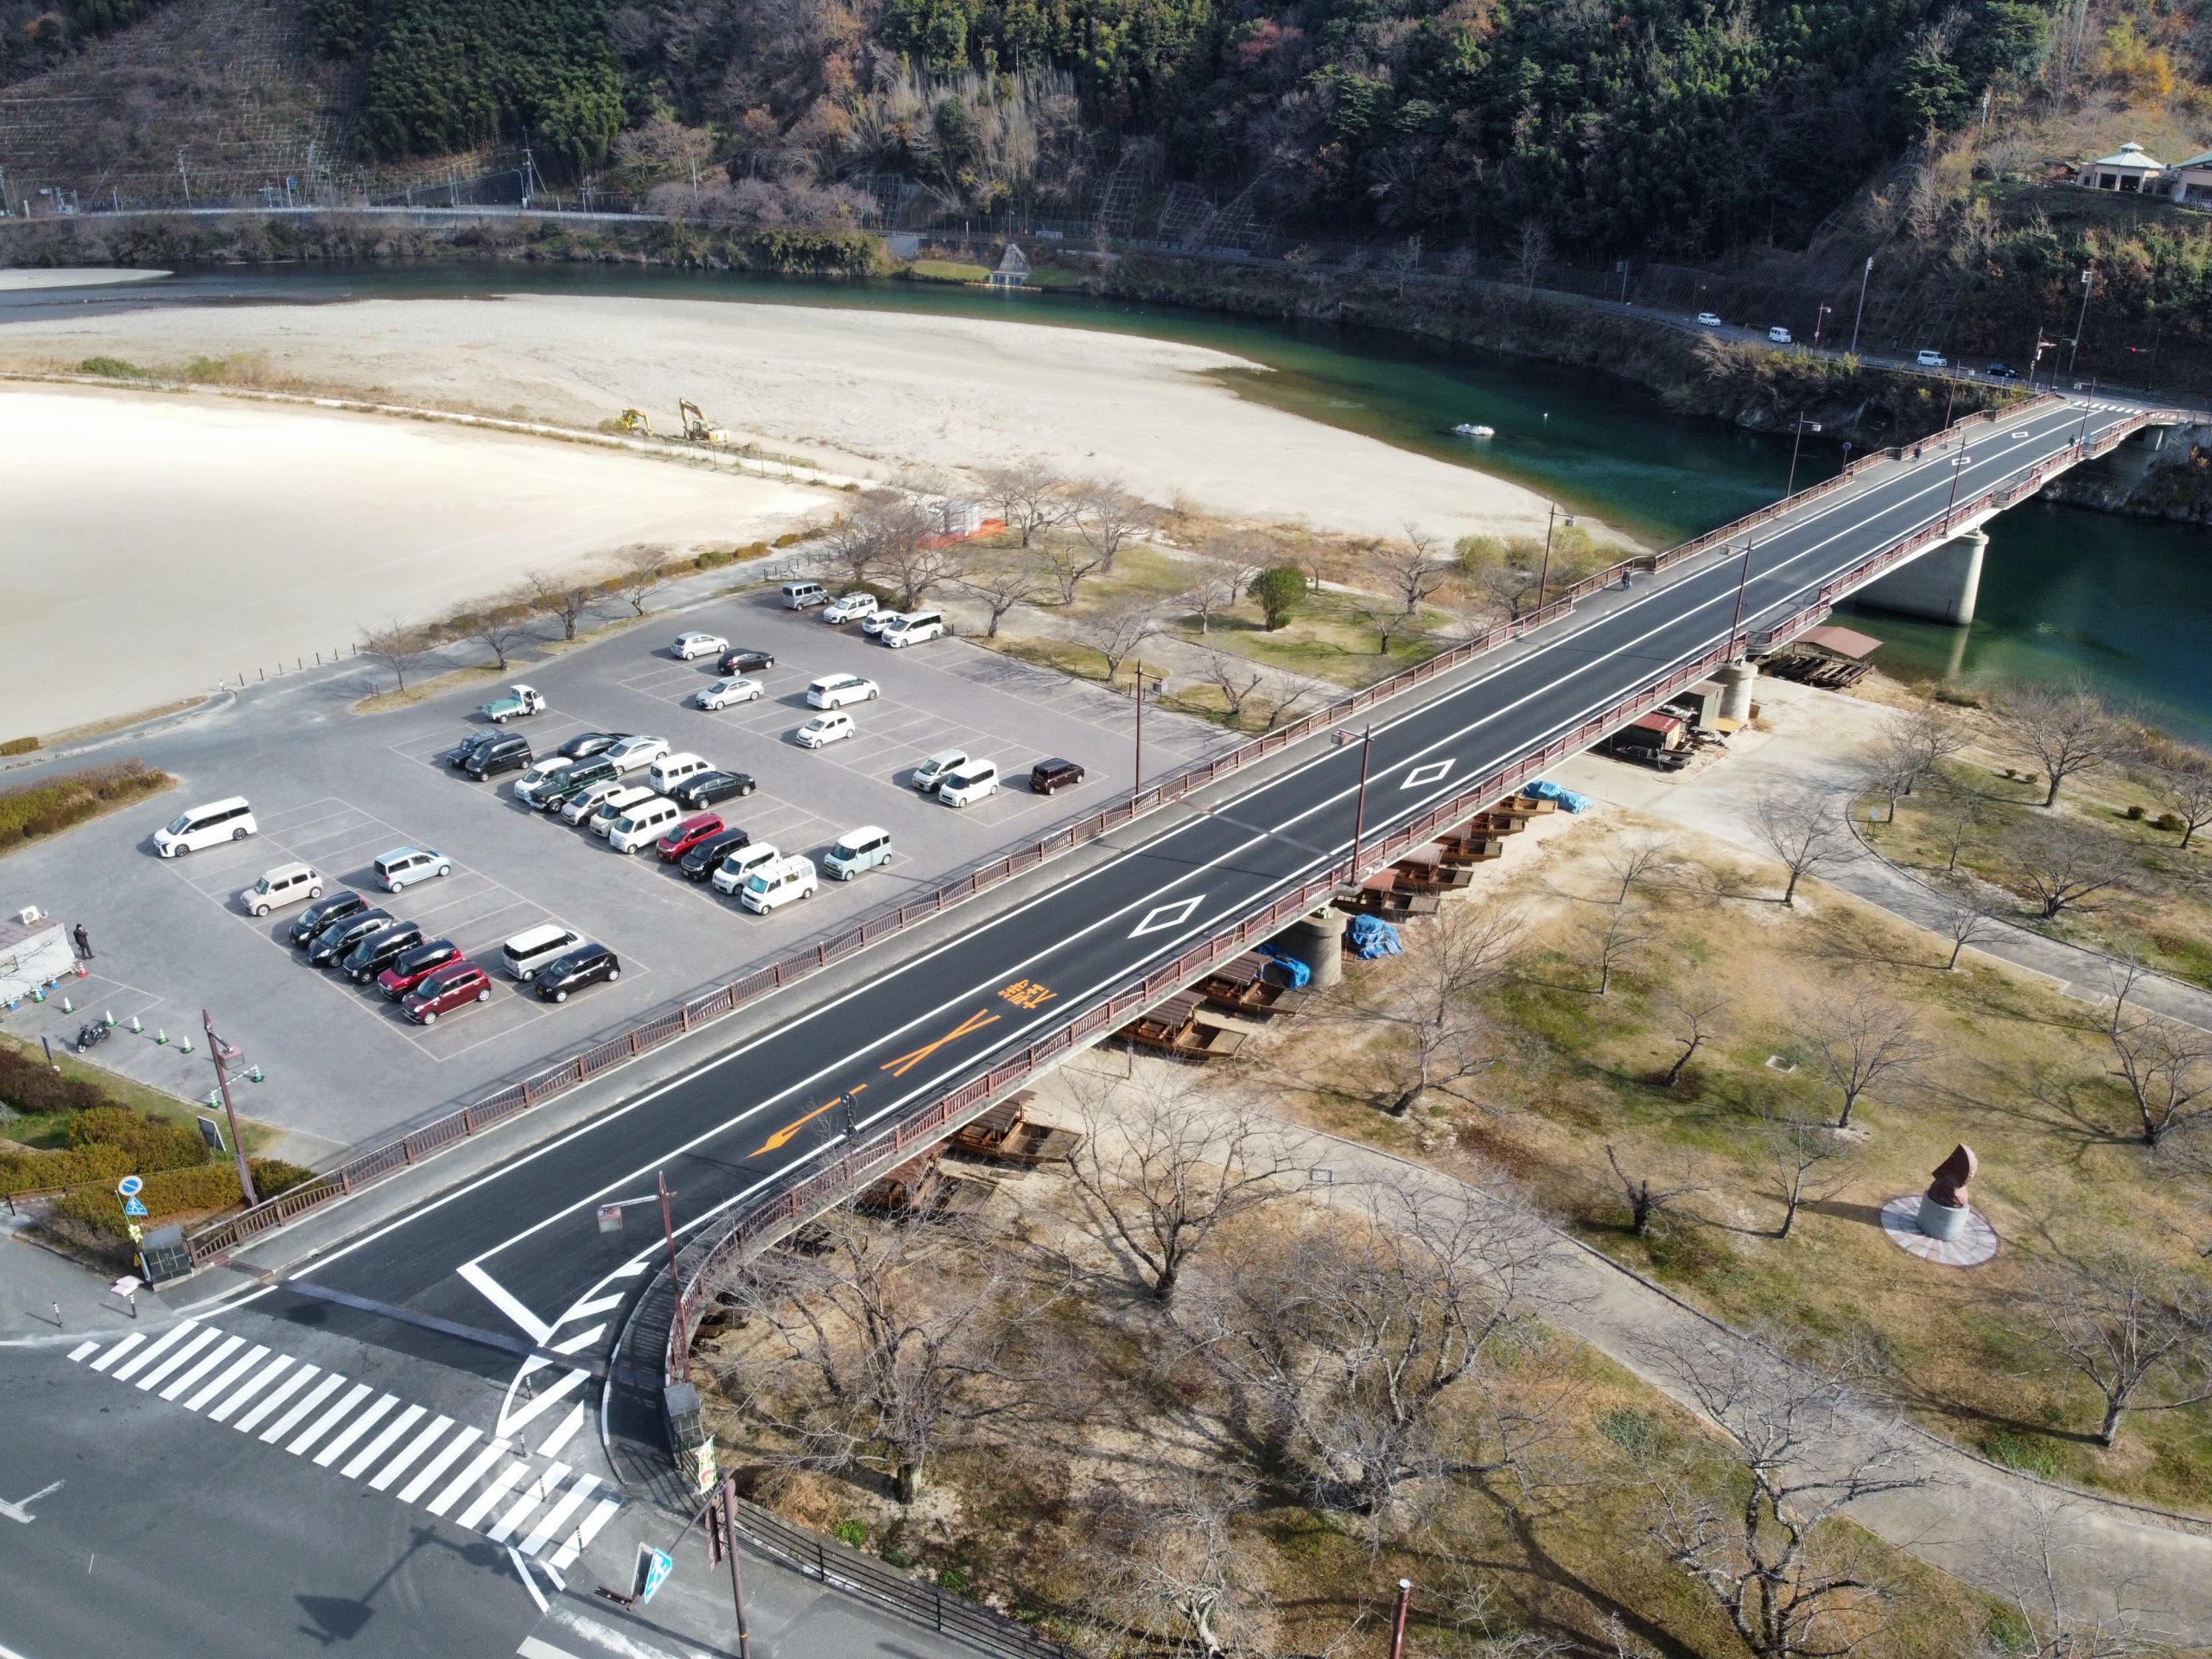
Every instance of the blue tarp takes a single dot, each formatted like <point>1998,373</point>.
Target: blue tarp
<point>1370,937</point>
<point>1294,972</point>
<point>1567,799</point>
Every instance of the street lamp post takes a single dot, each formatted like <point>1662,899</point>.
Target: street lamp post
<point>1820,322</point>
<point>1859,316</point>
<point>1958,466</point>
<point>1140,756</point>
<point>1804,427</point>
<point>1743,582</point>
<point>1366,741</point>
<point>2088,282</point>
<point>1544,573</point>
<point>222,1053</point>
<point>2081,438</point>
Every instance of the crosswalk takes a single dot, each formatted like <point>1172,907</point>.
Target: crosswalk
<point>539,1507</point>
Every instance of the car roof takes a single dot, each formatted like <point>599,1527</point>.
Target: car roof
<point>400,852</point>
<point>698,818</point>
<point>288,869</point>
<point>864,832</point>
<point>950,757</point>
<point>1055,761</point>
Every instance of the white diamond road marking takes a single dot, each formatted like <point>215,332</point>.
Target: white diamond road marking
<point>1162,916</point>
<point>1425,774</point>
<point>208,1369</point>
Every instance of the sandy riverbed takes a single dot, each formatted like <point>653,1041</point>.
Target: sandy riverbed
<point>24,279</point>
<point>871,391</point>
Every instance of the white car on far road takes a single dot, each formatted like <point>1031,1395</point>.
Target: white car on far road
<point>1707,320</point>
<point>735,689</point>
<point>1779,336</point>
<point>850,608</point>
<point>634,752</point>
<point>689,646</point>
<point>824,728</point>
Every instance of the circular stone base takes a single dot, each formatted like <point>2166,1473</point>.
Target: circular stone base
<point>1976,1244</point>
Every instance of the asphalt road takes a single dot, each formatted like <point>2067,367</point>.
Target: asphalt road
<point>519,1251</point>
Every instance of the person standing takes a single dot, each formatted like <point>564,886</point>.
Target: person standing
<point>83,942</point>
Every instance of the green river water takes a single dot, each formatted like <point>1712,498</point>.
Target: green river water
<point>2126,603</point>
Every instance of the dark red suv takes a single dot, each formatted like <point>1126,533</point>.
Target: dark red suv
<point>688,835</point>
<point>453,985</point>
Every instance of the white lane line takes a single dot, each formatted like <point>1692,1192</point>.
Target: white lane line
<point>154,1349</point>
<point>228,1346</point>
<point>597,1305</point>
<point>253,1385</point>
<point>277,1395</point>
<point>602,1512</point>
<point>559,1389</point>
<point>498,1294</point>
<point>529,1583</point>
<point>361,1424</point>
<point>330,1419</point>
<point>582,1339</point>
<point>376,1448</point>
<point>76,1354</point>
<point>565,1431</point>
<point>437,1465</point>
<point>253,1358</point>
<point>549,1524</point>
<point>180,1356</point>
<point>541,1489</point>
<point>533,1648</point>
<point>291,1420</point>
<point>118,1351</point>
<point>468,1478</point>
<point>488,1499</point>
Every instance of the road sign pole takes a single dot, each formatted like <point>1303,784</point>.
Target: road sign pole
<point>220,1052</point>
<point>736,1574</point>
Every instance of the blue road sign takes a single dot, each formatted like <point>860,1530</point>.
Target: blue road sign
<point>658,1566</point>
<point>130,1187</point>
<point>132,1207</point>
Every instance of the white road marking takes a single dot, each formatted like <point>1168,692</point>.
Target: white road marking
<point>512,1417</point>
<point>585,1310</point>
<point>277,1396</point>
<point>602,1512</point>
<point>228,1346</point>
<point>330,1419</point>
<point>377,1448</point>
<point>254,1385</point>
<point>254,1356</point>
<point>437,1465</point>
<point>314,1396</point>
<point>498,1294</point>
<point>179,1356</point>
<point>21,1509</point>
<point>363,1421</point>
<point>529,1584</point>
<point>565,1431</point>
<point>582,1339</point>
<point>541,1489</point>
<point>154,1349</point>
<point>1427,774</point>
<point>1161,918</point>
<point>488,1499</point>
<point>118,1351</point>
<point>549,1524</point>
<point>415,1447</point>
<point>76,1354</point>
<point>468,1478</point>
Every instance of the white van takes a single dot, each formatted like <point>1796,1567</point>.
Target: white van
<point>614,805</point>
<point>205,826</point>
<point>287,884</point>
<point>856,850</point>
<point>912,627</point>
<point>1932,360</point>
<point>644,825</point>
<point>978,780</point>
<point>939,767</point>
<point>777,884</point>
<point>590,800</point>
<point>666,773</point>
<point>835,691</point>
<point>532,948</point>
<point>800,595</point>
<point>731,873</point>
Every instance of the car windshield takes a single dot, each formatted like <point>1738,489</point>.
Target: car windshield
<point>180,824</point>
<point>261,886</point>
<point>958,780</point>
<point>756,883</point>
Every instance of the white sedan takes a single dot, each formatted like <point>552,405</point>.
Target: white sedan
<point>634,752</point>
<point>722,693</point>
<point>689,646</point>
<point>1707,320</point>
<point>824,728</point>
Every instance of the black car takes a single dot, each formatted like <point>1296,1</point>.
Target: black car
<point>585,965</point>
<point>416,964</point>
<point>464,751</point>
<point>745,661</point>
<point>316,917</point>
<point>709,787</point>
<point>2003,371</point>
<point>590,743</point>
<point>507,752</point>
<point>698,862</point>
<point>571,781</point>
<point>1048,775</point>
<point>371,956</point>
<point>331,944</point>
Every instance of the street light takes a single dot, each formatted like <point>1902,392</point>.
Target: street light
<point>1804,427</point>
<point>2088,282</point>
<point>1366,741</point>
<point>1958,466</point>
<point>1859,316</point>
<point>1820,322</point>
<point>222,1053</point>
<point>1140,757</point>
<point>1743,581</point>
<point>2042,346</point>
<point>1543,574</point>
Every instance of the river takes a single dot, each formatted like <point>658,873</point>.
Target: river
<point>2124,603</point>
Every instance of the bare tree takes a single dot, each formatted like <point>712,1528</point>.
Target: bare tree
<point>398,645</point>
<point>1862,1043</point>
<point>2167,1066</point>
<point>1002,584</point>
<point>1636,862</point>
<point>1799,1153</point>
<point>1215,586</point>
<point>2065,863</point>
<point>1171,1575</point>
<point>1615,939</point>
<point>1802,826</point>
<point>1532,251</point>
<point>570,602</point>
<point>1236,678</point>
<point>1957,819</point>
<point>2141,1338</point>
<point>1070,565</point>
<point>1031,494</point>
<point>1389,623</point>
<point>1690,1013</point>
<point>1968,917</point>
<point>1414,568</point>
<point>2030,1569</point>
<point>1107,516</point>
<point>848,546</point>
<point>1803,1451</point>
<point>1436,1036</point>
<point>1511,584</point>
<point>499,626</point>
<point>1166,1166</point>
<point>2185,791</point>
<point>1647,1200</point>
<point>2071,729</point>
<point>1117,631</point>
<point>1931,733</point>
<point>1405,262</point>
<point>1287,706</point>
<point>639,570</point>
<point>912,554</point>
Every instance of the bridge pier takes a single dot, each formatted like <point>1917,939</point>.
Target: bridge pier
<point>1940,586</point>
<point>1319,942</point>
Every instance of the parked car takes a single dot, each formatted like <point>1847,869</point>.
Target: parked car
<point>641,825</point>
<point>976,781</point>
<point>797,596</point>
<point>771,887</point>
<point>331,944</point>
<point>734,688</point>
<point>1056,773</point>
<point>1778,334</point>
<point>403,866</point>
<point>615,806</point>
<point>526,786</point>
<point>687,834</point>
<point>414,965</point>
<point>850,608</point>
<point>835,691</point>
<point>371,956</point>
<point>701,859</point>
<point>464,751</point>
<point>745,660</point>
<point>912,628</point>
<point>591,743</point>
<point>230,819</point>
<point>316,917</point>
<point>287,884</point>
<point>585,803</point>
<point>824,728</point>
<point>666,773</point>
<point>2003,371</point>
<point>1707,320</point>
<point>634,752</point>
<point>1932,360</point>
<point>519,700</point>
<point>712,788</point>
<point>939,766</point>
<point>534,947</point>
<point>737,867</point>
<point>872,624</point>
<point>587,965</point>
<point>454,986</point>
<point>857,850</point>
<point>508,751</point>
<point>689,646</point>
<point>571,780</point>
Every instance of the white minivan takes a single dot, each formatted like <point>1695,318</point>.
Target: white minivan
<point>666,773</point>
<point>644,825</point>
<point>912,627</point>
<point>532,948</point>
<point>977,780</point>
<point>612,806</point>
<point>204,826</point>
<point>287,884</point>
<point>731,875</point>
<point>777,884</point>
<point>800,595</point>
<point>1932,360</point>
<point>835,691</point>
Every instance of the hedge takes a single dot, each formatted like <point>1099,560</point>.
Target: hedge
<point>32,1086</point>
<point>48,807</point>
<point>177,1192</point>
<point>41,1172</point>
<point>153,1143</point>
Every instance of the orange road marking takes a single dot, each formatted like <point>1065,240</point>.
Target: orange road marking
<point>906,1062</point>
<point>783,1136</point>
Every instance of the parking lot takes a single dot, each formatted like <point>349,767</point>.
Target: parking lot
<point>334,789</point>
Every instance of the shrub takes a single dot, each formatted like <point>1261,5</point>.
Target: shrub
<point>2135,811</point>
<point>41,1171</point>
<point>46,808</point>
<point>789,539</point>
<point>2171,821</point>
<point>18,746</point>
<point>851,1532</point>
<point>152,1143</point>
<point>30,1085</point>
<point>1279,591</point>
<point>114,367</point>
<point>180,1191</point>
<point>713,557</point>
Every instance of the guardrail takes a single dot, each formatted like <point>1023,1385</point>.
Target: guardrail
<point>213,1243</point>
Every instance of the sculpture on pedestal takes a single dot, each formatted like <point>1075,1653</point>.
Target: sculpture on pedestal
<point>1944,1206</point>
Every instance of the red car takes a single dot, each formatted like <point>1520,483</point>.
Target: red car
<point>688,835</point>
<point>453,985</point>
<point>415,965</point>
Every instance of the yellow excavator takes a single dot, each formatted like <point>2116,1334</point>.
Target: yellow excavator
<point>696,429</point>
<point>635,423</point>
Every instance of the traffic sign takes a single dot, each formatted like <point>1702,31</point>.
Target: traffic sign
<point>132,1207</point>
<point>658,1564</point>
<point>130,1187</point>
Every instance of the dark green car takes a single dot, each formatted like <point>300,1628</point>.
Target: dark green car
<point>564,785</point>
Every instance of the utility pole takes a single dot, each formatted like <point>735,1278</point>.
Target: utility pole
<point>1743,582</point>
<point>729,1501</point>
<point>1859,316</point>
<point>1543,575</point>
<point>1820,322</point>
<point>1359,808</point>
<point>2088,282</point>
<point>222,1053</point>
<point>1804,427</point>
<point>182,173</point>
<point>668,1233</point>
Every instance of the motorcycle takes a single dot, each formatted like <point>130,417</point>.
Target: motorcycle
<point>91,1032</point>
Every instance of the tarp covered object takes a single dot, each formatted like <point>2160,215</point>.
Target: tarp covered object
<point>1369,937</point>
<point>1567,799</point>
<point>1294,972</point>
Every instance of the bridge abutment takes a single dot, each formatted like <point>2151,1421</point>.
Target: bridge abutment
<point>1941,585</point>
